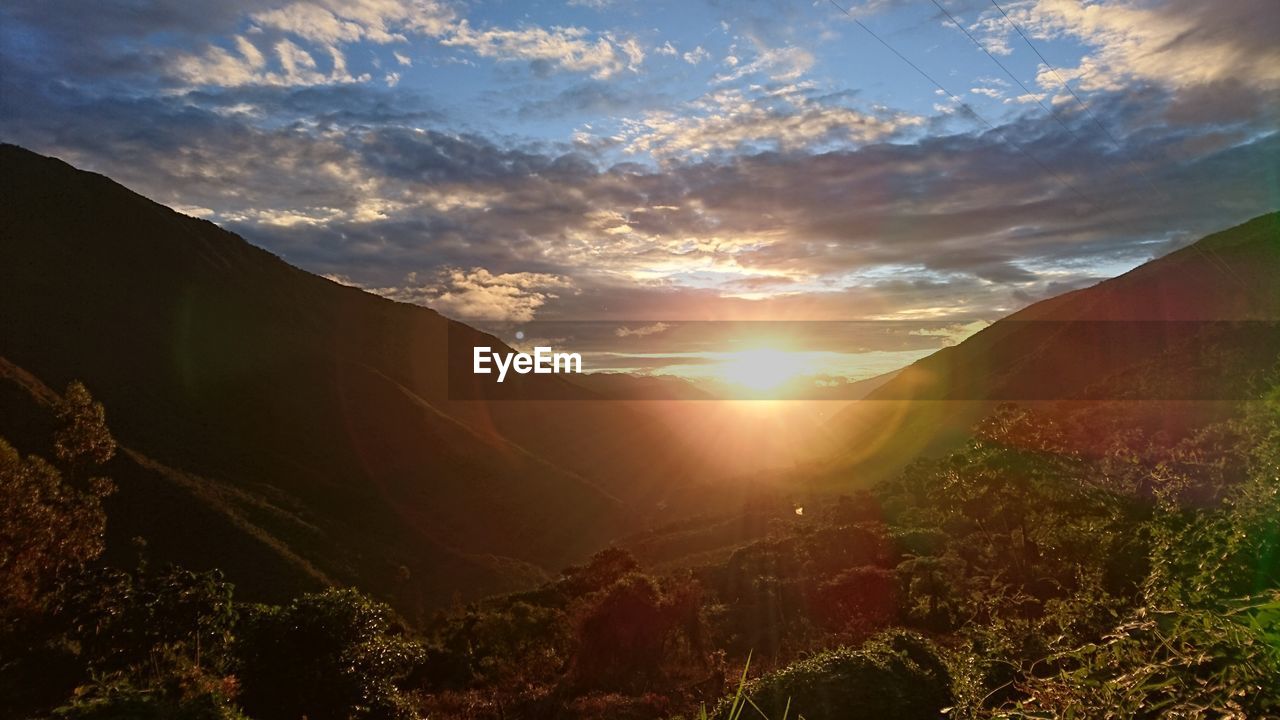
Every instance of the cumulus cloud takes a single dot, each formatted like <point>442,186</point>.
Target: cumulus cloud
<point>1177,43</point>
<point>696,55</point>
<point>784,118</point>
<point>287,43</point>
<point>480,295</point>
<point>331,22</point>
<point>327,27</point>
<point>568,48</point>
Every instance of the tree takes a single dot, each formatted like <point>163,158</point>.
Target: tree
<point>49,523</point>
<point>602,570</point>
<point>47,529</point>
<point>621,632</point>
<point>83,440</point>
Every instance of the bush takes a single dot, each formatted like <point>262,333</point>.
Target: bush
<point>895,675</point>
<point>332,655</point>
<point>194,700</point>
<point>141,622</point>
<point>858,598</point>
<point>621,632</point>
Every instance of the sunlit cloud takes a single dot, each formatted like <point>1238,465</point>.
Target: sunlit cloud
<point>617,164</point>
<point>478,294</point>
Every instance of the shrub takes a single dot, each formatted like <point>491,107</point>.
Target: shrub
<point>326,656</point>
<point>865,597</point>
<point>191,698</point>
<point>139,622</point>
<point>895,675</point>
<point>622,631</point>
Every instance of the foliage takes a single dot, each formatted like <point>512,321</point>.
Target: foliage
<point>626,630</point>
<point>187,696</point>
<point>83,440</point>
<point>1069,568</point>
<point>97,642</point>
<point>144,622</point>
<point>334,654</point>
<point>51,519</point>
<point>48,528</point>
<point>1205,642</point>
<point>896,674</point>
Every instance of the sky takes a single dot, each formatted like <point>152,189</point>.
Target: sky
<point>575,160</point>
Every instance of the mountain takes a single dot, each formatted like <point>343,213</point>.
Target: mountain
<point>271,413</point>
<point>1176,342</point>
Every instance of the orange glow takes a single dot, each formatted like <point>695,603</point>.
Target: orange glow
<point>762,369</point>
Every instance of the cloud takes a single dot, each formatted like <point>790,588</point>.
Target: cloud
<point>953,334</point>
<point>951,226</point>
<point>642,331</point>
<point>696,55</point>
<point>567,48</point>
<point>783,64</point>
<point>590,97</point>
<point>480,295</point>
<point>784,118</point>
<point>771,198</point>
<point>330,22</point>
<point>301,43</point>
<point>1177,43</point>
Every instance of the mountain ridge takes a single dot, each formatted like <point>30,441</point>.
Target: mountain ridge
<point>221,359</point>
<point>1215,295</point>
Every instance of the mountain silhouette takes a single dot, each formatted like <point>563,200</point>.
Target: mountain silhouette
<point>269,410</point>
<point>1178,341</point>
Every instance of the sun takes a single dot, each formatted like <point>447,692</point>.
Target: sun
<point>761,369</point>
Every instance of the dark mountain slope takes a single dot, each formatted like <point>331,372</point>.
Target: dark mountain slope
<point>206,525</point>
<point>218,358</point>
<point>1178,339</point>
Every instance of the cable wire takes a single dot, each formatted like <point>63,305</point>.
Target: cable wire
<point>1006,70</point>
<point>1212,256</point>
<point>967,108</point>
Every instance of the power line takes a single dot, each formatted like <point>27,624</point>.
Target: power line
<point>1006,70</point>
<point>1213,258</point>
<point>961,103</point>
<point>1079,101</point>
<point>1056,74</point>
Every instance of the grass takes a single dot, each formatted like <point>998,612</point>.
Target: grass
<point>741,702</point>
